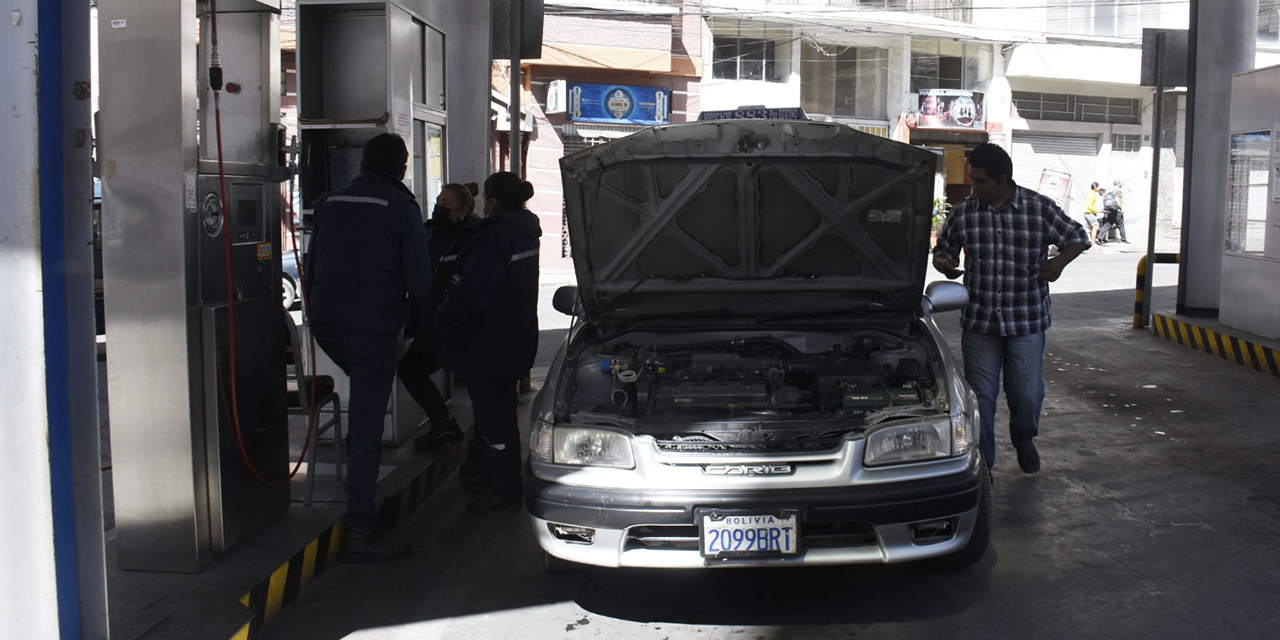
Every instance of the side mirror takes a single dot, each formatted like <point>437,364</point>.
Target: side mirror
<point>945,296</point>
<point>565,300</point>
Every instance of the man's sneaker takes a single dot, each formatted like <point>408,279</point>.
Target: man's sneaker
<point>371,547</point>
<point>490,503</point>
<point>447,432</point>
<point>1029,459</point>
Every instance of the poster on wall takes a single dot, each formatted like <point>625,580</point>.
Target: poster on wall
<point>1056,185</point>
<point>618,104</point>
<point>950,109</point>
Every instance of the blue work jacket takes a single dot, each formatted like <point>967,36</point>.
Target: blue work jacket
<point>488,320</point>
<point>368,252</point>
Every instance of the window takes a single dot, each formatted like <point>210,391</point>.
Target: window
<point>1126,143</point>
<point>1110,18</point>
<point>744,59</point>
<point>1074,108</point>
<point>948,65</point>
<point>1268,21</point>
<point>946,9</point>
<point>844,81</point>
<point>1247,191</point>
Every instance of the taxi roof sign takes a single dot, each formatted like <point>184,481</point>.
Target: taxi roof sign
<point>755,113</point>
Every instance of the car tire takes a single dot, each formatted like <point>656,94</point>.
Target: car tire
<point>973,551</point>
<point>289,292</point>
<point>558,566</point>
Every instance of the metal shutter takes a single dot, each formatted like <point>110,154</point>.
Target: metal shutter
<point>1074,154</point>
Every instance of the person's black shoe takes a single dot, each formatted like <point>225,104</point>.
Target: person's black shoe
<point>1029,459</point>
<point>476,484</point>
<point>447,432</point>
<point>490,503</point>
<point>1102,242</point>
<point>371,547</point>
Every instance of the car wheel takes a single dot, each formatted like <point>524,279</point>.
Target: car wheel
<point>288,292</point>
<point>559,566</point>
<point>972,552</point>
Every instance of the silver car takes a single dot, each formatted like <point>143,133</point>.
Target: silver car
<point>753,376</point>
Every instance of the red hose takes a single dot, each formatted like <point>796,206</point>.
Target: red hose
<point>231,314</point>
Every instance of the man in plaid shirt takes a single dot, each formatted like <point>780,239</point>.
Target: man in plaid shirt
<point>1005,231</point>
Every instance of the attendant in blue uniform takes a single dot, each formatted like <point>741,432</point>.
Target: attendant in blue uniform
<point>368,253</point>
<point>488,322</point>
<point>452,221</point>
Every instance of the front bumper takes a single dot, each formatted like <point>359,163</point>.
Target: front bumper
<point>867,523</point>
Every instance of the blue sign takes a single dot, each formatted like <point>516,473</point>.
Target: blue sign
<point>618,104</point>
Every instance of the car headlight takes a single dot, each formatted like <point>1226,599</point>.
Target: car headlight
<point>582,446</point>
<point>908,443</point>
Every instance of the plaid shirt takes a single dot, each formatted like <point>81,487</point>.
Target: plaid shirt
<point>1003,251</point>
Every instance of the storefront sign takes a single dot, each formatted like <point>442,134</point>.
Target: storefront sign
<point>617,104</point>
<point>950,109</point>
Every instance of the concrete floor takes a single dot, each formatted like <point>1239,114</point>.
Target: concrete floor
<point>1155,516</point>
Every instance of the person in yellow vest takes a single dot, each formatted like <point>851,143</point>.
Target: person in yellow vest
<point>1092,205</point>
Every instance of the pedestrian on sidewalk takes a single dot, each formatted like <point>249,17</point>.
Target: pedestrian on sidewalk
<point>368,253</point>
<point>1113,205</point>
<point>1092,205</point>
<point>1004,231</point>
<point>488,323</point>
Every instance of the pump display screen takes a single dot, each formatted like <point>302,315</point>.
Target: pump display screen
<point>247,214</point>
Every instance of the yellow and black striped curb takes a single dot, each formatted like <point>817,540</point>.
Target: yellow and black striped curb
<point>1138,293</point>
<point>284,584</point>
<point>1261,357</point>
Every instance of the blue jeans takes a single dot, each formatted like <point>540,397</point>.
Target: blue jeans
<point>1022,359</point>
<point>369,360</point>
<point>493,403</point>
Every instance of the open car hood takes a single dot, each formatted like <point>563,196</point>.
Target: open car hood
<point>749,218</point>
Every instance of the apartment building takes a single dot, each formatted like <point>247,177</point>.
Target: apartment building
<point>1054,83</point>
<point>608,68</point>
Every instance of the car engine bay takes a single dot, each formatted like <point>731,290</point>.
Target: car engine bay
<point>754,389</point>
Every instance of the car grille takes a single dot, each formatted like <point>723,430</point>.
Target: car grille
<point>707,445</point>
<point>813,535</point>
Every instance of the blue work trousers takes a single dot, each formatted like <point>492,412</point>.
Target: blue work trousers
<point>493,403</point>
<point>369,360</point>
<point>1021,358</point>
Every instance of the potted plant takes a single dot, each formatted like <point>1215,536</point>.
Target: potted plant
<point>940,210</point>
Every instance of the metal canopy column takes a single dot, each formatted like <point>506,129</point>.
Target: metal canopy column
<point>1222,41</point>
<point>51,543</point>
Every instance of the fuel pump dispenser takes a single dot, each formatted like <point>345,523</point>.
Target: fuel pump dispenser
<point>193,161</point>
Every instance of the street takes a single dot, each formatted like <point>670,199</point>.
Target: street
<point>1154,517</point>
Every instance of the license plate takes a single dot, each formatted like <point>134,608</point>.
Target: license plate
<point>729,534</point>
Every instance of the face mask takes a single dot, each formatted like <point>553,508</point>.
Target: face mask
<point>439,212</point>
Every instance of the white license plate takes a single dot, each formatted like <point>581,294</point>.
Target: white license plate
<point>737,535</point>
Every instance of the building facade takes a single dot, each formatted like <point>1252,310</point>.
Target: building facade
<point>1056,84</point>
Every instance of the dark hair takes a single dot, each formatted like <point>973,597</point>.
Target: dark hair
<point>1093,185</point>
<point>508,189</point>
<point>993,160</point>
<point>385,153</point>
<point>465,194</point>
